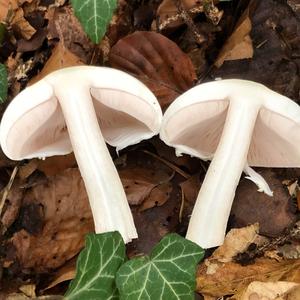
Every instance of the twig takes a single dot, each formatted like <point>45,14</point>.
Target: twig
<point>169,164</point>
<point>8,187</point>
<point>184,14</point>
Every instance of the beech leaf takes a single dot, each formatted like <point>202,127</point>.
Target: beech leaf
<point>157,61</point>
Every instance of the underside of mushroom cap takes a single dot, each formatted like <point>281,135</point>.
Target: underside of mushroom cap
<point>33,124</point>
<point>193,124</point>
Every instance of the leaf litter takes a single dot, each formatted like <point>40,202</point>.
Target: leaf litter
<point>40,38</point>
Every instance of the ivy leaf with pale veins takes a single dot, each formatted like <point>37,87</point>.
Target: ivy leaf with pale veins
<point>3,83</point>
<point>96,268</point>
<point>94,16</point>
<point>168,273</point>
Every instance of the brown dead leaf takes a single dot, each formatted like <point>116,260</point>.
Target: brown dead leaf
<point>60,58</point>
<point>65,273</point>
<point>169,16</point>
<point>236,241</point>
<point>267,290</point>
<point>156,61</point>
<point>158,196</point>
<point>5,6</point>
<point>139,182</point>
<point>21,26</point>
<point>272,213</point>
<point>28,290</point>
<point>167,10</point>
<point>56,164</point>
<point>12,206</point>
<point>231,278</point>
<point>190,189</point>
<point>293,294</point>
<point>66,216</point>
<point>239,44</point>
<point>27,169</point>
<point>63,25</point>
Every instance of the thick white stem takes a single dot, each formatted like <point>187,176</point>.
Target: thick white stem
<point>211,211</point>
<point>107,198</point>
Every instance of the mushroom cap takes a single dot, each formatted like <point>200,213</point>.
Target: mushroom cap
<point>194,122</point>
<point>33,125</point>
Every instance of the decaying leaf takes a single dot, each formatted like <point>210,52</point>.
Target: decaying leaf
<point>21,25</point>
<point>190,189</point>
<point>239,44</point>
<point>65,273</point>
<point>28,290</point>
<point>236,241</point>
<point>56,164</point>
<point>231,278</point>
<point>272,213</point>
<point>156,61</point>
<point>60,58</point>
<point>12,206</point>
<point>158,196</point>
<point>5,6</point>
<point>169,16</point>
<point>267,290</point>
<point>139,182</point>
<point>66,218</point>
<point>64,25</point>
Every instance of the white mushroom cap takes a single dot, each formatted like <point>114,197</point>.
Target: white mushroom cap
<point>34,126</point>
<point>193,124</point>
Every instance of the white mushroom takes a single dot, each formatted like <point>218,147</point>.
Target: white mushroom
<point>62,113</point>
<point>236,123</point>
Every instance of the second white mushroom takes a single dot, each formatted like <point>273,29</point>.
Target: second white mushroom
<point>236,124</point>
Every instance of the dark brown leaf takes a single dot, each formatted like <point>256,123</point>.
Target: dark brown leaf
<point>272,213</point>
<point>157,61</point>
<point>67,218</point>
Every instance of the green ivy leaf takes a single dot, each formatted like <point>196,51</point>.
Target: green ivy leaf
<point>169,272</point>
<point>94,16</point>
<point>3,83</point>
<point>97,266</point>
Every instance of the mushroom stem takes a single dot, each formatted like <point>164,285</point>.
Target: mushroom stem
<point>107,198</point>
<point>211,212</point>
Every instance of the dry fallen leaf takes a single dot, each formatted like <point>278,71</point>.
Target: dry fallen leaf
<point>231,278</point>
<point>60,58</point>
<point>156,61</point>
<point>239,44</point>
<point>66,218</point>
<point>267,290</point>
<point>236,241</point>
<point>5,6</point>
<point>63,25</point>
<point>56,164</point>
<point>272,213</point>
<point>169,17</point>
<point>21,25</point>
<point>65,273</point>
<point>158,196</point>
<point>28,290</point>
<point>167,9</point>
<point>139,182</point>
